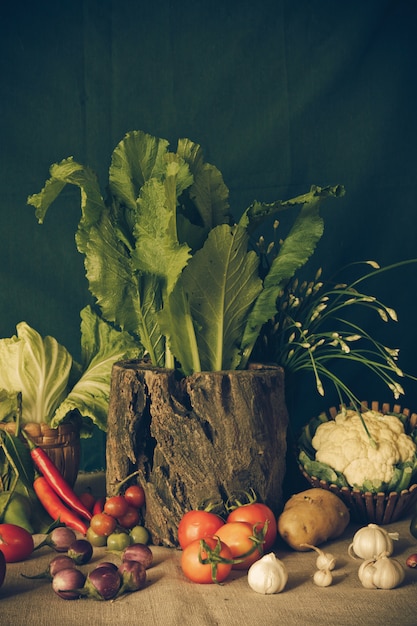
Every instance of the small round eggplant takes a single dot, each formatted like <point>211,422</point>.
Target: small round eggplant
<point>60,539</point>
<point>133,576</point>
<point>81,551</point>
<point>103,583</point>
<point>68,583</point>
<point>138,552</point>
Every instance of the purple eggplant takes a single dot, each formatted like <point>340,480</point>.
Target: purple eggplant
<point>138,552</point>
<point>80,551</point>
<point>60,539</point>
<point>68,583</point>
<point>133,576</point>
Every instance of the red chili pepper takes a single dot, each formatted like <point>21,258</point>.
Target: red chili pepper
<point>99,506</point>
<point>54,477</point>
<point>55,507</point>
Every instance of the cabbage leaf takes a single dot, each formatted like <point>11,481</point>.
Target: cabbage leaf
<point>52,385</point>
<point>37,367</point>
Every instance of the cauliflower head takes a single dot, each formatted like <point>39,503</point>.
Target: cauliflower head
<point>344,445</point>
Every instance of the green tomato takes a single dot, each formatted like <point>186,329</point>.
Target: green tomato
<point>118,541</point>
<point>98,541</point>
<point>139,534</point>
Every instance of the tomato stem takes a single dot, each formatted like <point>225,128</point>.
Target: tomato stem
<point>125,480</point>
<point>234,501</point>
<point>213,558</point>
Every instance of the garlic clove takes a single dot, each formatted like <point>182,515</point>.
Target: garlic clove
<point>366,574</point>
<point>323,578</point>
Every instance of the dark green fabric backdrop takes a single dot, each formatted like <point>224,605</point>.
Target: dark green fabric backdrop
<point>281,94</point>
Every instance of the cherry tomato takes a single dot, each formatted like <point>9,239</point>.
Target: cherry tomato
<point>130,518</point>
<point>118,541</point>
<point>16,543</point>
<point>135,496</point>
<point>139,534</point>
<point>116,506</point>
<point>103,524</point>
<point>237,536</point>
<point>197,525</point>
<point>204,573</point>
<point>2,568</point>
<point>257,514</point>
<point>98,541</point>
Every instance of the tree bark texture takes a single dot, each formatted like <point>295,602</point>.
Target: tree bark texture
<point>209,435</point>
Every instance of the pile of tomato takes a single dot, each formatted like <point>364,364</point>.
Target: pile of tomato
<point>116,520</point>
<point>213,546</point>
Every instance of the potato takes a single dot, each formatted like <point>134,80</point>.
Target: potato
<point>312,516</point>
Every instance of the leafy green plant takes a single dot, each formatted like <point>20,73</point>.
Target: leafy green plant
<point>166,261</point>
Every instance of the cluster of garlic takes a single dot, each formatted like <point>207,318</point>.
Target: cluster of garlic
<point>325,564</point>
<point>375,546</point>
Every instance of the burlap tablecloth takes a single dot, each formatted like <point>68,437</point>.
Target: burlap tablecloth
<point>170,600</point>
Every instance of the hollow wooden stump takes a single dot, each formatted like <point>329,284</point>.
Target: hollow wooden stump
<point>209,435</point>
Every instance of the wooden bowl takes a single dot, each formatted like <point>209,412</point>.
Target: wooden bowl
<point>365,507</point>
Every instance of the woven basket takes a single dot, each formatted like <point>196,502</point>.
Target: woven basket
<point>61,444</point>
<point>380,508</point>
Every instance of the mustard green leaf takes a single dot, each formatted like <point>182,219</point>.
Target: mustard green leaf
<point>294,252</point>
<point>137,158</point>
<point>208,193</point>
<point>158,251</point>
<point>221,283</point>
<point>179,328</point>
<point>258,212</point>
<point>101,345</point>
<point>66,172</point>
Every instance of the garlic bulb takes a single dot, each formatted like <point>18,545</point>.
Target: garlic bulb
<point>371,541</point>
<point>381,573</point>
<point>267,575</point>
<point>323,578</point>
<point>325,560</point>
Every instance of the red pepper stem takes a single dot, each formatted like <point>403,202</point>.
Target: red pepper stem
<point>55,479</point>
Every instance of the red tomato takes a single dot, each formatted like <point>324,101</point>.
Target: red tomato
<point>103,524</point>
<point>116,506</point>
<point>257,514</point>
<point>16,543</point>
<point>135,496</point>
<point>130,518</point>
<point>237,536</point>
<point>211,572</point>
<point>197,525</point>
